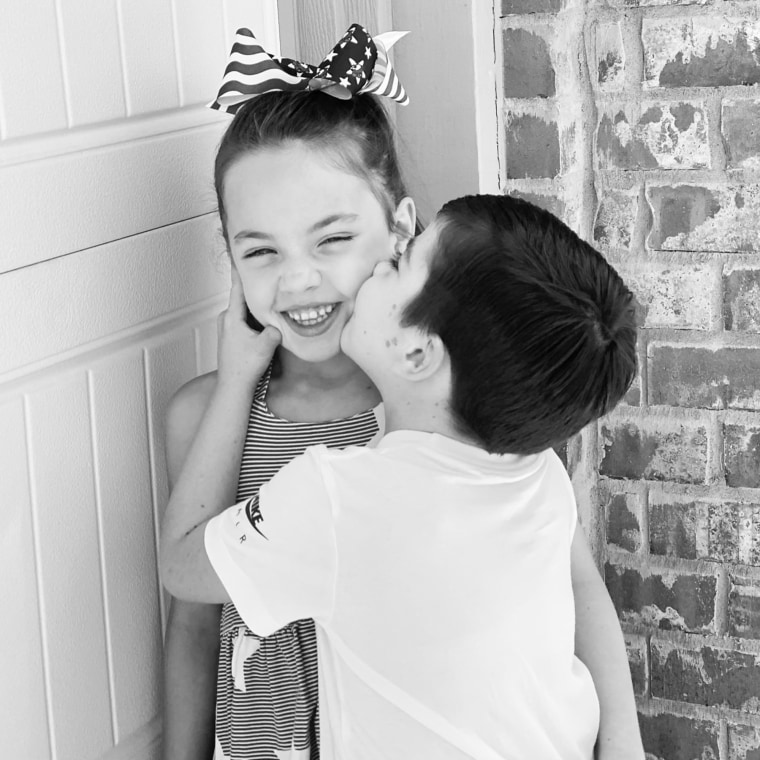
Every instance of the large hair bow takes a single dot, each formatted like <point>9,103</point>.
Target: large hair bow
<point>356,64</point>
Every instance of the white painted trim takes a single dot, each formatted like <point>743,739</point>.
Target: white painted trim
<point>143,744</point>
<point>288,28</point>
<point>487,69</point>
<point>24,149</point>
<point>142,335</point>
<point>384,17</point>
<point>449,130</point>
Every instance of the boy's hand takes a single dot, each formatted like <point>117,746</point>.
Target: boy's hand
<point>243,353</point>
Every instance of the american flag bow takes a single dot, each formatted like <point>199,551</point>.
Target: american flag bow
<point>358,63</point>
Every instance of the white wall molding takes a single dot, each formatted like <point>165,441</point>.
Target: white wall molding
<point>51,144</point>
<point>487,71</point>
<point>112,274</point>
<point>145,743</point>
<point>84,297</point>
<point>76,201</point>
<point>52,368</point>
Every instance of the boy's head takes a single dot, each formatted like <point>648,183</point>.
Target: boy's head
<point>539,330</point>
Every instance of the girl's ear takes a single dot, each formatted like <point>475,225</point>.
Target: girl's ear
<point>404,220</point>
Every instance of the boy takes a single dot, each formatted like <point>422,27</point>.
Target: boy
<point>437,565</point>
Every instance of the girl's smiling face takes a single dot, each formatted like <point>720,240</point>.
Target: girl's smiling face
<point>304,236</point>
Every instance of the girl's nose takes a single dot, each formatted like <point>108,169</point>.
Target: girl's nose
<point>300,278</point>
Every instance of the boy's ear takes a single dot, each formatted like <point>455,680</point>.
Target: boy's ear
<point>404,219</point>
<point>423,355</point>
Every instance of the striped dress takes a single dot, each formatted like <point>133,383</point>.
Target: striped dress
<point>266,705</point>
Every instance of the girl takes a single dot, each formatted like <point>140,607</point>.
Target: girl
<point>310,199</point>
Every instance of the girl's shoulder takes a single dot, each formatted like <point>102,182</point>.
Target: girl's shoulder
<point>193,397</point>
<point>186,408</point>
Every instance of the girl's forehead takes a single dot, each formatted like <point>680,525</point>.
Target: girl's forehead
<point>297,186</point>
<point>295,170</point>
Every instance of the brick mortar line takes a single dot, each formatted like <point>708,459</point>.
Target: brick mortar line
<point>720,613</point>
<point>652,94</point>
<point>717,317</point>
<point>642,355</point>
<point>543,185</point>
<point>723,739</point>
<point>680,414</point>
<point>543,25</point>
<point>714,114</point>
<point>654,12</point>
<point>724,262</point>
<point>544,107</point>
<point>709,339</point>
<point>716,474</point>
<point>694,642</point>
<point>655,706</point>
<point>659,492</point>
<point>644,552</point>
<point>660,177</point>
<point>656,564</point>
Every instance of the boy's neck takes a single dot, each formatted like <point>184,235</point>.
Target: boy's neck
<point>422,413</point>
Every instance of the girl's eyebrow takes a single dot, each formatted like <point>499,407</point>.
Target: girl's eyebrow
<point>322,223</point>
<point>328,220</point>
<point>246,234</point>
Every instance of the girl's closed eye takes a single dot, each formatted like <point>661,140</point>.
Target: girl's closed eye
<point>336,239</point>
<point>258,253</point>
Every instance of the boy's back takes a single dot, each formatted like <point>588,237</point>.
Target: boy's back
<point>439,577</point>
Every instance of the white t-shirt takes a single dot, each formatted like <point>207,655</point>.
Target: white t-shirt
<point>439,579</point>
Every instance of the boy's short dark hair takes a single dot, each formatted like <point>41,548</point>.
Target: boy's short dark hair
<point>540,329</point>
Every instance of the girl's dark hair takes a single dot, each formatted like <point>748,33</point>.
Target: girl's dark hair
<point>540,329</point>
<point>355,133</point>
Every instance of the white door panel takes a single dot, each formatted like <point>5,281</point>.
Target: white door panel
<point>112,272</point>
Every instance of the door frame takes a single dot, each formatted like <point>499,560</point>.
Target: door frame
<point>449,66</point>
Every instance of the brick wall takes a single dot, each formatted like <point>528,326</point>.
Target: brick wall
<point>638,122</point>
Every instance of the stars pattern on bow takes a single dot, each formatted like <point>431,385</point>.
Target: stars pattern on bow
<point>356,64</point>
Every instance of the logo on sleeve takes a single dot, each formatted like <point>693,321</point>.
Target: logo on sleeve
<point>253,511</point>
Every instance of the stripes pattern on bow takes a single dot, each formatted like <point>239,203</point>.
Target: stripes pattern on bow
<point>358,63</point>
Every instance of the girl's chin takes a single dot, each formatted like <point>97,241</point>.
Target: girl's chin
<point>315,356</point>
<point>313,349</point>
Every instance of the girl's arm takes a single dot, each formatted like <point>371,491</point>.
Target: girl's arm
<point>599,645</point>
<point>192,635</point>
<point>191,657</point>
<point>191,644</point>
<point>207,482</point>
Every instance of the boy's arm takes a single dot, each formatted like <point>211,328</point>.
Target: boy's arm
<point>273,555</point>
<point>600,646</point>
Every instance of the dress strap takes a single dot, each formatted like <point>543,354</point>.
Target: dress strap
<point>263,387</point>
<point>379,413</point>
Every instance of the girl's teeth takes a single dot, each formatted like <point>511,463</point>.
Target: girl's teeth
<point>313,316</point>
